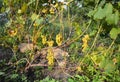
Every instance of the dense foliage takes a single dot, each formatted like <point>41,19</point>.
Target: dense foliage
<point>59,41</point>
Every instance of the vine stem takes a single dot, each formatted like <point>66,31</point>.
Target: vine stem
<point>110,46</point>
<point>95,39</point>
<point>37,1</point>
<point>68,42</point>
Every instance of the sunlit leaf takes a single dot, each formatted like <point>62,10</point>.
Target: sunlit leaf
<point>2,73</point>
<point>34,17</point>
<point>107,65</point>
<point>100,14</point>
<point>108,9</point>
<point>97,58</point>
<point>110,67</point>
<point>110,19</point>
<point>24,8</point>
<point>91,13</point>
<point>13,76</point>
<point>19,11</point>
<point>116,17</point>
<point>30,2</point>
<point>119,4</point>
<point>78,31</point>
<point>114,33</point>
<point>93,33</point>
<point>70,80</point>
<point>39,21</point>
<point>113,18</point>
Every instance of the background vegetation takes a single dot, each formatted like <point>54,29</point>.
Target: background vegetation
<point>59,41</point>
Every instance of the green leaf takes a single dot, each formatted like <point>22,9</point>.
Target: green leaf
<point>70,80</point>
<point>92,33</point>
<point>113,18</point>
<point>108,9</point>
<point>78,31</point>
<point>116,17</point>
<point>110,67</point>
<point>13,76</point>
<point>119,4</point>
<point>110,19</point>
<point>91,13</point>
<point>2,73</point>
<point>107,65</point>
<point>24,8</point>
<point>34,17</point>
<point>99,14</point>
<point>102,2</point>
<point>78,76</point>
<point>39,21</point>
<point>30,2</point>
<point>114,33</point>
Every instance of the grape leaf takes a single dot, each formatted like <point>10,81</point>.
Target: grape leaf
<point>116,17</point>
<point>113,18</point>
<point>110,19</point>
<point>107,65</point>
<point>91,13</point>
<point>24,8</point>
<point>110,67</point>
<point>108,9</point>
<point>34,17</point>
<point>39,21</point>
<point>114,33</point>
<point>99,14</point>
<point>2,73</point>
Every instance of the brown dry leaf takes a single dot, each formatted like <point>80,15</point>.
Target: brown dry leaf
<point>59,53</point>
<point>23,47</point>
<point>62,64</point>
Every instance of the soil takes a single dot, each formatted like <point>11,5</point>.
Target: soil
<point>5,53</point>
<point>57,72</point>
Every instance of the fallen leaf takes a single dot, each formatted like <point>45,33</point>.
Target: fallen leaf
<point>23,47</point>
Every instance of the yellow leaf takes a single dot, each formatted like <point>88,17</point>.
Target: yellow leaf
<point>56,5</point>
<point>59,39</point>
<point>79,68</point>
<point>52,11</point>
<point>44,10</point>
<point>34,17</point>
<point>12,32</point>
<point>50,43</point>
<point>19,11</point>
<point>44,40</point>
<point>24,8</point>
<point>50,57</point>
